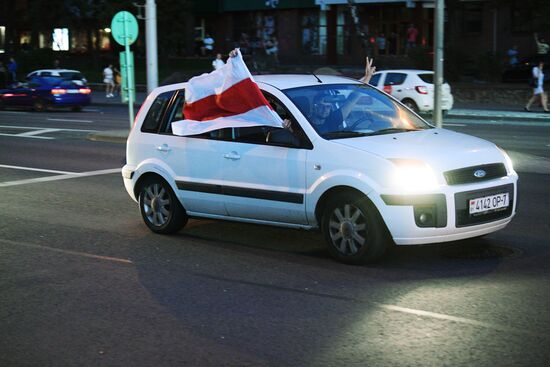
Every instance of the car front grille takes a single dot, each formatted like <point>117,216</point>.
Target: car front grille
<point>467,175</point>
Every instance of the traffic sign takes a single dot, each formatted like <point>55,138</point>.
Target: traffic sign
<point>124,28</point>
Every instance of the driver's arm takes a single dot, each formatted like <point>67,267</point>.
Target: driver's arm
<point>347,107</point>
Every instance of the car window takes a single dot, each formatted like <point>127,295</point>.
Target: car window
<point>259,134</point>
<point>71,75</point>
<point>428,78</point>
<point>349,110</point>
<point>46,73</point>
<point>156,112</point>
<point>375,79</point>
<point>395,78</point>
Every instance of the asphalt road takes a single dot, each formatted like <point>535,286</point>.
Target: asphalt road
<point>84,282</point>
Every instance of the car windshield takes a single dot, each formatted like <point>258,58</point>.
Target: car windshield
<point>71,75</point>
<point>350,110</point>
<point>54,81</point>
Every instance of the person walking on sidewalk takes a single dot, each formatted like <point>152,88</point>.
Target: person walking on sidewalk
<point>538,90</point>
<point>109,80</point>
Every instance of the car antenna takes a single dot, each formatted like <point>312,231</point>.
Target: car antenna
<point>319,80</point>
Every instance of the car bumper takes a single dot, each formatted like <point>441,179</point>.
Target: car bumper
<point>426,103</point>
<point>71,100</point>
<point>449,212</point>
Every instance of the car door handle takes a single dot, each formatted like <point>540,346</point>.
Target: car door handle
<point>233,156</point>
<point>164,148</point>
<point>399,90</point>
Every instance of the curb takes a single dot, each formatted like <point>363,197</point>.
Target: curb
<point>115,136</point>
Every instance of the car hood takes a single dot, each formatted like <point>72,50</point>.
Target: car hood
<point>442,149</point>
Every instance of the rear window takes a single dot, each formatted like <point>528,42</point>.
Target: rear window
<point>156,112</point>
<point>428,78</point>
<point>395,78</point>
<point>375,79</point>
<point>72,75</point>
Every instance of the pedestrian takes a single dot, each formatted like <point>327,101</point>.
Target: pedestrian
<point>218,62</point>
<point>538,90</point>
<point>118,81</point>
<point>513,55</point>
<point>208,45</point>
<point>12,70</point>
<point>381,43</point>
<point>542,46</point>
<point>412,35</point>
<point>108,79</point>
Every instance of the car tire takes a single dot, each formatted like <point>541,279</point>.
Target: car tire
<point>39,105</point>
<point>353,229</point>
<point>160,209</point>
<point>411,104</point>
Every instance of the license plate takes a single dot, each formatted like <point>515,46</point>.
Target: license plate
<point>74,91</point>
<point>489,203</point>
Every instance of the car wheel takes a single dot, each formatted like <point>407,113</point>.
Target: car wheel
<point>76,108</point>
<point>39,105</point>
<point>160,208</point>
<point>353,229</point>
<point>411,104</point>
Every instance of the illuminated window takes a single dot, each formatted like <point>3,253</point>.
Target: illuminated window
<point>2,39</point>
<point>60,37</point>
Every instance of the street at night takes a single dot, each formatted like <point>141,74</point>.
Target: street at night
<point>84,282</point>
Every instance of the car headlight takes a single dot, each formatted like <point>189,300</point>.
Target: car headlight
<point>507,159</point>
<point>413,175</point>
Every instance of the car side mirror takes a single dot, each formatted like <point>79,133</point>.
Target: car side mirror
<point>282,137</point>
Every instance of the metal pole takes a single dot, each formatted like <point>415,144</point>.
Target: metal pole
<point>438,60</point>
<point>151,45</point>
<point>129,73</point>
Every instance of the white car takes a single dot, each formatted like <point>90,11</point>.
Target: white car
<point>414,88</point>
<point>382,175</point>
<point>76,76</point>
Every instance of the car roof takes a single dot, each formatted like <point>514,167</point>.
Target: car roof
<point>286,81</point>
<point>411,71</point>
<point>280,81</point>
<point>56,71</point>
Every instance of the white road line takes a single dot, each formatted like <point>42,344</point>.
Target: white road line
<point>68,252</point>
<point>23,136</point>
<point>37,169</point>
<point>40,128</point>
<point>13,113</point>
<point>446,124</point>
<point>38,132</point>
<point>71,120</point>
<point>91,110</point>
<point>60,177</point>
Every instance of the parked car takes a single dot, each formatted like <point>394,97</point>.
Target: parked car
<point>414,88</point>
<point>382,176</point>
<point>40,93</point>
<point>523,70</point>
<point>76,76</point>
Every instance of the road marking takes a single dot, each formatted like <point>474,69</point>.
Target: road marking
<point>38,132</point>
<point>68,252</point>
<point>40,128</point>
<point>37,169</point>
<point>14,113</point>
<point>60,177</point>
<point>91,110</point>
<point>23,136</point>
<point>446,124</point>
<point>70,120</point>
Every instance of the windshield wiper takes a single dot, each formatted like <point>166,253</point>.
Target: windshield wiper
<point>392,130</point>
<point>343,134</point>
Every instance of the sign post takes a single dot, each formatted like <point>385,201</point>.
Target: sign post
<point>124,28</point>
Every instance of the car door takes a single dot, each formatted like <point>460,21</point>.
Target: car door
<point>265,180</point>
<point>194,161</point>
<point>19,96</point>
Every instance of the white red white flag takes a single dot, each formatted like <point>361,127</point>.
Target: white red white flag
<point>227,97</point>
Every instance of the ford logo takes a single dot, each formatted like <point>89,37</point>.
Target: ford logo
<point>480,173</point>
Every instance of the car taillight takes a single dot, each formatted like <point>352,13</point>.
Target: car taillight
<point>387,89</point>
<point>421,89</point>
<point>59,91</point>
<point>84,91</point>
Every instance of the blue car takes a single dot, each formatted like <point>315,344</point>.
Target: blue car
<point>41,93</point>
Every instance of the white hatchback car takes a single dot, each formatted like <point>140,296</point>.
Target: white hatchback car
<point>379,176</point>
<point>414,88</point>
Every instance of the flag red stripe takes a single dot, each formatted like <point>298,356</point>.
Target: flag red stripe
<point>239,98</point>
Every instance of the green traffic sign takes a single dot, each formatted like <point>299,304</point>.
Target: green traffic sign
<point>124,28</point>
